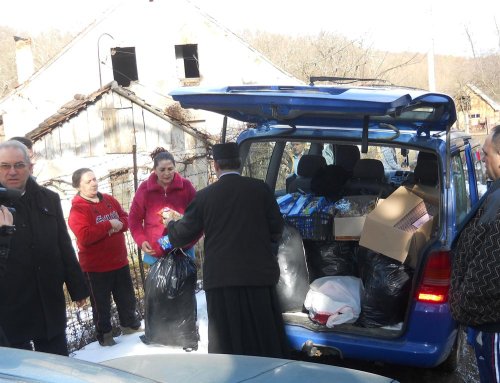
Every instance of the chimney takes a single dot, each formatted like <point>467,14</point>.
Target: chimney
<point>24,59</point>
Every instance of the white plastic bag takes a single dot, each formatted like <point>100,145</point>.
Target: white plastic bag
<point>334,300</point>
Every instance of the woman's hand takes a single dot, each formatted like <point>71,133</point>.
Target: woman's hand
<point>116,226</point>
<point>6,217</point>
<point>170,215</point>
<point>146,248</point>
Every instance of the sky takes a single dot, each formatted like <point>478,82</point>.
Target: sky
<point>393,25</point>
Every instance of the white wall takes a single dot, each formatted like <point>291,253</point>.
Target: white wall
<point>153,28</point>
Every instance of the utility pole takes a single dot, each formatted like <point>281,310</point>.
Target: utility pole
<point>431,76</point>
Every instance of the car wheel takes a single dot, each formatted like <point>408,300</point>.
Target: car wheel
<point>451,362</point>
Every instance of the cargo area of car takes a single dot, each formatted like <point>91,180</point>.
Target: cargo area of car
<point>367,223</point>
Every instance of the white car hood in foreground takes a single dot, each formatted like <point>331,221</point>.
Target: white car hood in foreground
<point>30,367</point>
<point>205,368</point>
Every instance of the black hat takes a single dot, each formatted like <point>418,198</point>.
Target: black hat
<point>225,151</point>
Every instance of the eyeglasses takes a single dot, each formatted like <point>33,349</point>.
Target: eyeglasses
<point>17,166</point>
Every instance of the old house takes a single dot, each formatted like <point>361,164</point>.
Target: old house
<point>477,112</point>
<point>149,47</point>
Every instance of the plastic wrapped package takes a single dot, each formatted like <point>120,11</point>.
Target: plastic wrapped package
<point>170,302</point>
<point>387,285</point>
<point>334,300</point>
<point>294,277</point>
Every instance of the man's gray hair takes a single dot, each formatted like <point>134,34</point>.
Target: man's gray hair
<point>17,145</point>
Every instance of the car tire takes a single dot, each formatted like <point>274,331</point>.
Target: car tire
<point>452,361</point>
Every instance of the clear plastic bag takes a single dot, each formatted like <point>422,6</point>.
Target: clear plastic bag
<point>334,300</point>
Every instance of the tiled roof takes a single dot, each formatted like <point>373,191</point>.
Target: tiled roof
<point>80,102</point>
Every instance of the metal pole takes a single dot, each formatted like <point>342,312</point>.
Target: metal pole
<point>223,133</point>
<point>99,55</point>
<point>139,253</point>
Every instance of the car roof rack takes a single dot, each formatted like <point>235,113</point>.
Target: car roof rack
<point>345,80</point>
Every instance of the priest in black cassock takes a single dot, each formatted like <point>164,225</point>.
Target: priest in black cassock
<point>242,225</point>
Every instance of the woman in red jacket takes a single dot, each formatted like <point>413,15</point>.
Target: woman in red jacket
<point>164,189</point>
<point>98,222</point>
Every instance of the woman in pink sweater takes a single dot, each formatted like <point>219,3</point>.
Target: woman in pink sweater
<point>164,189</point>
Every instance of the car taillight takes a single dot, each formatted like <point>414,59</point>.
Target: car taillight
<point>435,282</point>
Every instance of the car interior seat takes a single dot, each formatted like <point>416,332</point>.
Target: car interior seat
<point>369,178</point>
<point>347,156</point>
<point>308,167</point>
<point>426,170</point>
<point>329,181</point>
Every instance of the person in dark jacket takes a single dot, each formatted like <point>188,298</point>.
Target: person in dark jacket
<point>475,276</point>
<point>6,230</point>
<point>242,225</point>
<point>41,261</point>
<point>98,222</point>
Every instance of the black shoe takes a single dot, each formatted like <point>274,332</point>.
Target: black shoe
<point>107,339</point>
<point>144,339</point>
<point>191,348</point>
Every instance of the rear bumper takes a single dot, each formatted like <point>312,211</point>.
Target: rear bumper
<point>426,342</point>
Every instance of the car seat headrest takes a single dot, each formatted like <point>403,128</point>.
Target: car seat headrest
<point>309,164</point>
<point>347,156</point>
<point>426,170</point>
<point>369,168</point>
<point>329,181</point>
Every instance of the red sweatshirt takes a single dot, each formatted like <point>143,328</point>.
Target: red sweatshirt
<point>97,250</point>
<point>149,200</point>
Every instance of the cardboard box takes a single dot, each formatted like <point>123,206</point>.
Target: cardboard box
<point>348,228</point>
<point>427,193</point>
<point>399,226</point>
<point>348,225</point>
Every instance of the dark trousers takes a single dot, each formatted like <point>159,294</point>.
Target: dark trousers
<point>56,345</point>
<point>487,349</point>
<point>246,321</point>
<point>102,286</point>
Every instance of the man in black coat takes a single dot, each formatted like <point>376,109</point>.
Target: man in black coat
<point>40,262</point>
<point>242,225</point>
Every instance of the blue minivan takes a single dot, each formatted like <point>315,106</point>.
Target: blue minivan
<point>385,139</point>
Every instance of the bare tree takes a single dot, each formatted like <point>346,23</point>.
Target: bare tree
<point>45,46</point>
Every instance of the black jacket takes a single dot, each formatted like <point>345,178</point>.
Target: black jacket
<point>41,261</point>
<point>241,220</point>
<point>475,277</point>
<point>4,254</point>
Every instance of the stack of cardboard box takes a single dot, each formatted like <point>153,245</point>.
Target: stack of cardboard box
<point>402,224</point>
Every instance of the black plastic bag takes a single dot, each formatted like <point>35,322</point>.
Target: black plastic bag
<point>170,272</point>
<point>387,284</point>
<point>293,284</point>
<point>338,258</point>
<point>170,302</point>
